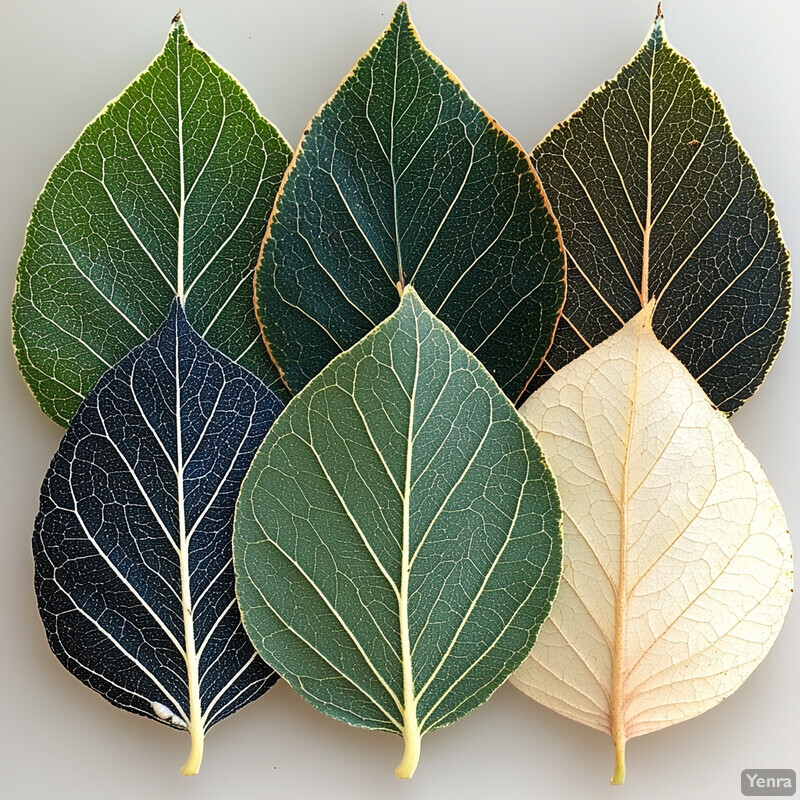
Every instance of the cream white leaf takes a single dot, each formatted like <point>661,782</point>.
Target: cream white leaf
<point>677,561</point>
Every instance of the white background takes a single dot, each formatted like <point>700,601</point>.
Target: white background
<point>529,63</point>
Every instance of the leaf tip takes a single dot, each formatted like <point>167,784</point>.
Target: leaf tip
<point>657,30</point>
<point>650,309</point>
<point>178,18</point>
<point>409,295</point>
<point>176,312</point>
<point>402,19</point>
<point>643,320</point>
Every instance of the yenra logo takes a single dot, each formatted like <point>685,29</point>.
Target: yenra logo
<point>769,782</point>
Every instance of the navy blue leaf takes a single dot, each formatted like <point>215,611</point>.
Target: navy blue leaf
<point>132,543</point>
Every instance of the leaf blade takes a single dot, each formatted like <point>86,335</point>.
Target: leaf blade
<point>164,194</point>
<point>132,543</point>
<point>395,559</point>
<point>402,178</point>
<point>657,199</point>
<point>675,543</point>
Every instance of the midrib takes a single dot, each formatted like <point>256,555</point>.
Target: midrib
<point>617,710</point>
<point>648,222</point>
<point>411,733</point>
<point>401,279</point>
<point>179,273</point>
<point>192,667</point>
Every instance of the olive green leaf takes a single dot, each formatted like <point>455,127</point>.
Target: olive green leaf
<point>402,178</point>
<point>397,541</point>
<point>166,193</point>
<point>657,199</point>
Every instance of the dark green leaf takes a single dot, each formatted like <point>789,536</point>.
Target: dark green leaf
<point>401,178</point>
<point>397,540</point>
<point>657,199</point>
<point>132,544</point>
<point>165,194</point>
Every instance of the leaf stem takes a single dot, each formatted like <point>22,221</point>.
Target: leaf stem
<point>619,759</point>
<point>648,226</point>
<point>192,765</point>
<point>412,738</point>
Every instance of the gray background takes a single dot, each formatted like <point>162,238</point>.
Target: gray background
<point>530,63</point>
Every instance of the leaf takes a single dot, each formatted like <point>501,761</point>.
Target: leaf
<point>677,562</point>
<point>132,544</point>
<point>397,538</point>
<point>402,178</point>
<point>166,193</point>
<point>657,200</point>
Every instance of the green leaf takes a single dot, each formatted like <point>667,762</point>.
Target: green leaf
<point>397,540</point>
<point>166,193</point>
<point>657,199</point>
<point>402,178</point>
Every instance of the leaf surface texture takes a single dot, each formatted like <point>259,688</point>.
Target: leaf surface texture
<point>166,193</point>
<point>657,200</point>
<point>397,539</point>
<point>132,543</point>
<point>677,561</point>
<point>402,178</point>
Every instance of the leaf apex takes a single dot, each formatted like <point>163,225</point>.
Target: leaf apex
<point>178,18</point>
<point>657,30</point>
<point>411,299</point>
<point>643,321</point>
<point>401,18</point>
<point>176,311</point>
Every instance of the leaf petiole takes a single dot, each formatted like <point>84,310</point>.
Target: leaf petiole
<point>192,765</point>
<point>412,738</point>
<point>618,777</point>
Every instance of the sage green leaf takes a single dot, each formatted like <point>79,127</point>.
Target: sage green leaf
<point>402,178</point>
<point>397,541</point>
<point>657,199</point>
<point>166,193</point>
